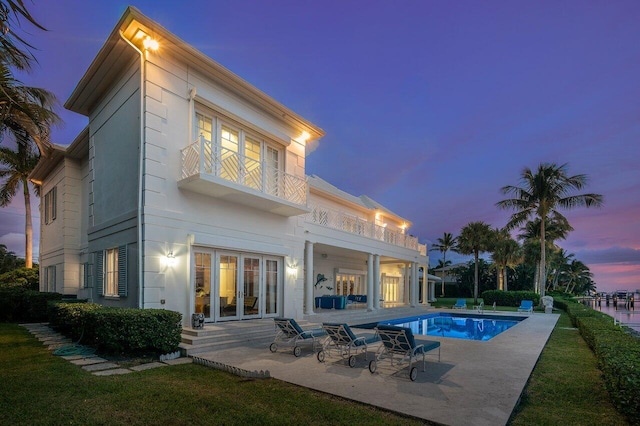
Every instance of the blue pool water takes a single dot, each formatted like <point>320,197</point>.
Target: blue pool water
<point>458,326</point>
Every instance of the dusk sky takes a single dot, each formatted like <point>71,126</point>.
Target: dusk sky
<point>429,107</point>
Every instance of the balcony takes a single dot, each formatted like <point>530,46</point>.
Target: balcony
<point>336,219</point>
<point>209,169</point>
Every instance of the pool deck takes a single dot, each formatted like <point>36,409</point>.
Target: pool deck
<point>475,383</point>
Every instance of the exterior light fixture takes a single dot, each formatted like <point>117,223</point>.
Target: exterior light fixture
<point>171,259</point>
<point>304,137</point>
<point>292,269</point>
<point>148,43</point>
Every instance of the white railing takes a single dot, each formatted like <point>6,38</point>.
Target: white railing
<point>205,157</point>
<point>348,222</point>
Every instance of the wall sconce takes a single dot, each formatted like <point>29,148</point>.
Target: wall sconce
<point>304,137</point>
<point>171,259</point>
<point>292,269</point>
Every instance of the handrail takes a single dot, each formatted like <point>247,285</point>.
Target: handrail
<point>206,157</point>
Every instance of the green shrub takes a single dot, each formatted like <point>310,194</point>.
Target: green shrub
<point>20,304</point>
<point>618,354</point>
<point>27,278</point>
<point>509,298</point>
<point>118,330</point>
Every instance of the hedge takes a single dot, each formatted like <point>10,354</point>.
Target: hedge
<point>20,304</point>
<point>509,298</point>
<point>618,354</point>
<point>119,330</point>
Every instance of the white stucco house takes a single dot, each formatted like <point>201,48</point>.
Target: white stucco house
<point>187,191</point>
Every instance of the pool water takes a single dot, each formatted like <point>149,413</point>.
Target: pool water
<point>457,326</point>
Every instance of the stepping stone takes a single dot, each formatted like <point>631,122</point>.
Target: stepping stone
<point>112,372</point>
<point>148,366</point>
<point>72,357</point>
<point>179,361</point>
<point>88,361</point>
<point>101,366</point>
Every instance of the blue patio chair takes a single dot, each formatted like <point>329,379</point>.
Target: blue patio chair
<point>340,338</point>
<point>526,306</point>
<point>291,334</point>
<point>460,304</point>
<point>399,341</point>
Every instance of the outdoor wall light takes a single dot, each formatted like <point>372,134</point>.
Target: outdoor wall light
<point>304,137</point>
<point>171,259</point>
<point>148,43</point>
<point>292,269</point>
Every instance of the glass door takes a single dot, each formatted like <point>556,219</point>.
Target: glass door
<point>251,279</point>
<point>271,289</point>
<point>229,296</point>
<point>202,275</point>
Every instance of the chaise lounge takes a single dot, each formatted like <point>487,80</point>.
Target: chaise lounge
<point>291,334</point>
<point>348,345</point>
<point>401,342</point>
<point>526,306</point>
<point>460,304</point>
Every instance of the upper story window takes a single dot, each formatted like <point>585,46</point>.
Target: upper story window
<point>240,155</point>
<point>50,206</point>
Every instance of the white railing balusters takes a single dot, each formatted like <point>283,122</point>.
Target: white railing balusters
<point>203,156</point>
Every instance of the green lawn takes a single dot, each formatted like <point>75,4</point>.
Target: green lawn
<point>39,388</point>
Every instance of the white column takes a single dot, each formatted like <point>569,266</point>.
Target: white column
<point>376,281</point>
<point>308,279</point>
<point>370,292</point>
<point>414,285</point>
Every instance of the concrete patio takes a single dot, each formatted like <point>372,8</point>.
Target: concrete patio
<point>476,383</point>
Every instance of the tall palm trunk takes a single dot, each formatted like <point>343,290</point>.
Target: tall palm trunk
<point>28,228</point>
<point>475,280</point>
<point>542,276</point>
<point>505,279</point>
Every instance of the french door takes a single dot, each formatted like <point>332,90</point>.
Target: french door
<point>231,286</point>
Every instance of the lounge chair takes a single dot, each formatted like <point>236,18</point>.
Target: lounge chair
<point>399,341</point>
<point>479,308</point>
<point>460,304</point>
<point>341,339</point>
<point>291,334</point>
<point>526,306</point>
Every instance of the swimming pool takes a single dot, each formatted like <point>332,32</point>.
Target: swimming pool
<point>457,326</point>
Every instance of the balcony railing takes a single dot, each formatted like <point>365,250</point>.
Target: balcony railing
<point>205,157</point>
<point>344,221</point>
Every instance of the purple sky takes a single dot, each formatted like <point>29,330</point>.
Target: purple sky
<point>430,107</point>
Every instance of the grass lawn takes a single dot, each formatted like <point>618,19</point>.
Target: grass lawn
<point>39,388</point>
<point>565,388</point>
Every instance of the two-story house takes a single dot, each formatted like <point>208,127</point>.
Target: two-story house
<point>187,191</point>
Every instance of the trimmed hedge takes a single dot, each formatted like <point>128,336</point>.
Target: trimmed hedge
<point>618,354</point>
<point>509,298</point>
<point>20,304</point>
<point>119,330</point>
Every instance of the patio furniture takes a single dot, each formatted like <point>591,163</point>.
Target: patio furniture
<point>340,338</point>
<point>400,342</point>
<point>526,306</point>
<point>479,308</point>
<point>291,334</point>
<point>460,304</point>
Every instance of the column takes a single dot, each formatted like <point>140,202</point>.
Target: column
<point>370,292</point>
<point>308,279</point>
<point>414,285</point>
<point>376,281</point>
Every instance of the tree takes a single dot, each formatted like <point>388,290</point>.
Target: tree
<point>577,277</point>
<point>474,239</point>
<point>541,194</point>
<point>15,167</point>
<point>505,253</point>
<point>444,244</point>
<point>22,108</point>
<point>555,229</point>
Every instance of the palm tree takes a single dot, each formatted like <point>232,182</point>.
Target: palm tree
<point>541,195</point>
<point>506,253</point>
<point>474,238</point>
<point>15,167</point>
<point>444,244</point>
<point>577,274</point>
<point>22,107</point>
<point>555,229</point>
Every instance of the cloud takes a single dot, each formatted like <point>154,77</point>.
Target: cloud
<point>609,255</point>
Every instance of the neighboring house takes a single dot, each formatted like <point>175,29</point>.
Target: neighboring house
<point>187,191</point>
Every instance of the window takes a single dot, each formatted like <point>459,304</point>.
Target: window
<point>49,281</point>
<point>50,206</point>
<point>111,271</point>
<point>241,155</point>
<point>84,275</point>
